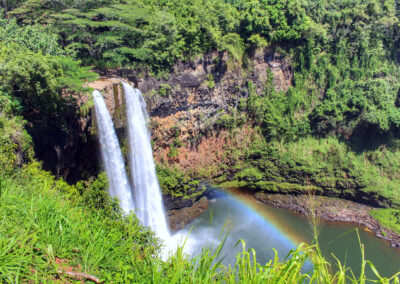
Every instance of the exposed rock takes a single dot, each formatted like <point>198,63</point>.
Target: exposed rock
<point>193,194</point>
<point>277,64</point>
<point>177,219</point>
<point>175,203</point>
<point>113,94</point>
<point>198,92</point>
<point>184,109</point>
<point>207,155</point>
<point>186,106</point>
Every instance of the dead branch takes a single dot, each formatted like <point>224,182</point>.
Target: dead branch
<point>79,276</point>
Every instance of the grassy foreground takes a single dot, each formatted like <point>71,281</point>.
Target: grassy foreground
<point>48,235</point>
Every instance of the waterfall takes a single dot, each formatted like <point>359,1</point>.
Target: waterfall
<point>147,194</point>
<point>111,155</point>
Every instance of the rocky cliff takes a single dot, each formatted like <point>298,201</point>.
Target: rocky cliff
<point>190,108</point>
<point>190,113</point>
<point>199,129</point>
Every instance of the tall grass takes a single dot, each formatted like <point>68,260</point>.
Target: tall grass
<point>40,228</point>
<point>43,233</point>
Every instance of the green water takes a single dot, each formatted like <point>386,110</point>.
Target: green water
<point>264,227</point>
<point>341,240</point>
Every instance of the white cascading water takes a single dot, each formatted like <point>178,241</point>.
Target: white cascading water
<point>147,194</point>
<point>112,157</point>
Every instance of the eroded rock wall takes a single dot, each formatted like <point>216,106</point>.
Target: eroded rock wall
<point>185,109</point>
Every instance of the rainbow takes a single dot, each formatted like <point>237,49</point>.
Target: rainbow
<point>261,211</point>
<point>238,215</point>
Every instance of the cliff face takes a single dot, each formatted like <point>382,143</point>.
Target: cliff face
<point>188,110</point>
<point>197,128</point>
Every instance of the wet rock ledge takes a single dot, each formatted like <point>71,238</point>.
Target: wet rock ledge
<point>183,210</point>
<point>178,219</point>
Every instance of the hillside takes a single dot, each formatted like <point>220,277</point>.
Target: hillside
<point>274,96</point>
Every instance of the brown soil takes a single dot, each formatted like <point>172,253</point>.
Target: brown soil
<point>203,159</point>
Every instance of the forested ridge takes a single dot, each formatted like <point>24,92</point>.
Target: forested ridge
<point>344,53</point>
<point>336,129</point>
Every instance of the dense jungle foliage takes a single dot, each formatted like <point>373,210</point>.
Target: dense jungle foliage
<point>343,107</point>
<point>344,53</point>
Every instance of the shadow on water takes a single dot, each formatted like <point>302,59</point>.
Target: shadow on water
<point>264,227</point>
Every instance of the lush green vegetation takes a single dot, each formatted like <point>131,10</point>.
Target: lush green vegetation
<point>344,53</point>
<point>35,73</point>
<point>43,231</point>
<point>48,230</point>
<point>179,184</point>
<point>319,165</point>
<point>390,218</point>
<point>335,130</point>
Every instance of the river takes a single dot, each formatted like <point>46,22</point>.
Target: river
<point>264,227</point>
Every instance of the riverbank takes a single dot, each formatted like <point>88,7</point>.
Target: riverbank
<point>179,218</point>
<point>331,209</point>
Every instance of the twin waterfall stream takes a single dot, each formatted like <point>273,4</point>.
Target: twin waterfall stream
<point>142,194</point>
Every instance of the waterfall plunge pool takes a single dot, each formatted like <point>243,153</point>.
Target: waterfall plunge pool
<point>264,227</point>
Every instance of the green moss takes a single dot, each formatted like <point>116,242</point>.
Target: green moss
<point>194,195</point>
<point>86,107</point>
<point>210,81</point>
<point>177,183</point>
<point>164,90</point>
<point>266,185</point>
<point>250,174</point>
<point>389,218</point>
<point>233,184</point>
<point>272,186</point>
<point>220,179</point>
<point>290,187</point>
<point>324,163</point>
<point>194,182</point>
<point>173,151</point>
<point>226,121</point>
